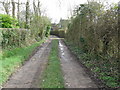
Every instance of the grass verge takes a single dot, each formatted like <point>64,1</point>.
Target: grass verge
<point>12,59</point>
<point>52,76</point>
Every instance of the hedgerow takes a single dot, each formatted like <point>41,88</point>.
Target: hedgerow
<point>94,30</point>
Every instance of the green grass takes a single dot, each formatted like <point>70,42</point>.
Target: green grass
<point>13,59</point>
<point>52,76</point>
<point>0,42</point>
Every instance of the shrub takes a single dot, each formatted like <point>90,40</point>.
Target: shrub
<point>59,33</point>
<point>7,21</point>
<point>14,37</point>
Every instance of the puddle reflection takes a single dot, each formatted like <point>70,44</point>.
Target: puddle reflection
<point>61,48</point>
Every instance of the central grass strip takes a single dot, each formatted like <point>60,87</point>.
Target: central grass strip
<point>52,76</point>
<point>13,59</point>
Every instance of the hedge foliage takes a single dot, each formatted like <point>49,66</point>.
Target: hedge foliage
<point>7,21</point>
<point>94,32</point>
<point>60,33</point>
<point>14,37</point>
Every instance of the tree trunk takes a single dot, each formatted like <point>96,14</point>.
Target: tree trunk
<point>13,9</point>
<point>18,12</point>
<point>39,10</point>
<point>105,44</point>
<point>27,14</point>
<point>6,6</point>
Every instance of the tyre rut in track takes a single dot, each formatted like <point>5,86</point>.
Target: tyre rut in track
<point>74,74</point>
<point>29,74</point>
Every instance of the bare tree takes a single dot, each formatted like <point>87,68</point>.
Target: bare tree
<point>13,8</point>
<point>34,7</point>
<point>20,15</point>
<point>27,14</point>
<point>18,12</point>
<point>6,5</point>
<point>39,7</point>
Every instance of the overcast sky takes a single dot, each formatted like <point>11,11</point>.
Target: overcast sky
<point>56,9</point>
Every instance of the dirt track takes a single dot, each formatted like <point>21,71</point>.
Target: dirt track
<point>29,75</point>
<point>74,74</point>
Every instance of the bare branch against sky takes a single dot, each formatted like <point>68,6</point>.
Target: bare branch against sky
<point>56,9</point>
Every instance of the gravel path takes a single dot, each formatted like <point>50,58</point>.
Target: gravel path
<point>74,74</point>
<point>28,75</point>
